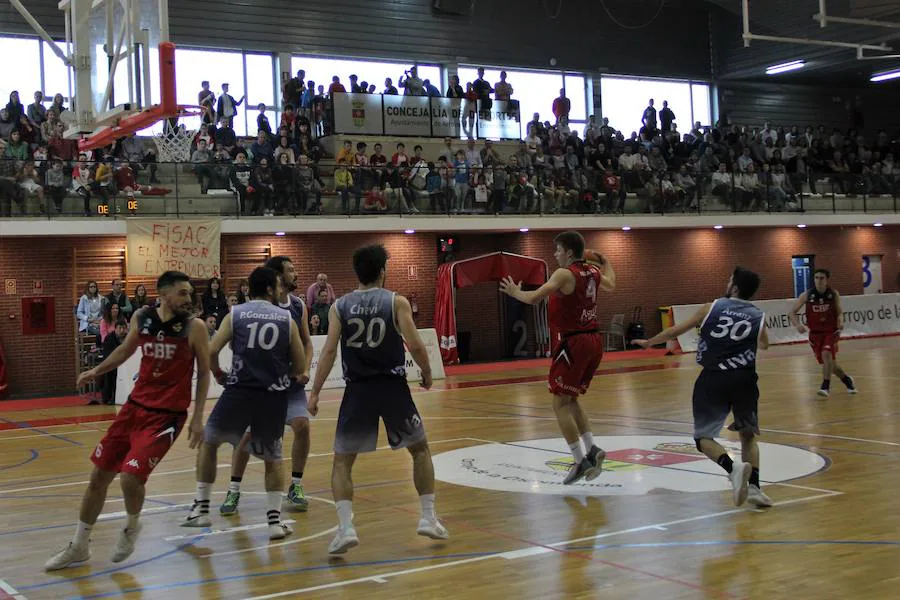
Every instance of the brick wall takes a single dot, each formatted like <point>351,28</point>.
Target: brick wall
<point>654,267</point>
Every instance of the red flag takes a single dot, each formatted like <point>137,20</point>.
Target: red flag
<point>445,316</point>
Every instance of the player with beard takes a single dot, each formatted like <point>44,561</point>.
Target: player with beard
<point>297,414</point>
<point>148,424</point>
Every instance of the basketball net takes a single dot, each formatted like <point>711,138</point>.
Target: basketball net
<point>173,145</point>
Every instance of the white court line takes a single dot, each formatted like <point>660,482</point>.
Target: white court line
<point>524,552</point>
<point>145,511</point>
<point>225,531</point>
<point>831,437</point>
<point>11,590</point>
<point>57,485</point>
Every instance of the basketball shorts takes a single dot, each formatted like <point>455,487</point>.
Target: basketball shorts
<point>297,406</point>
<point>575,359</point>
<point>824,342</point>
<point>364,403</point>
<point>716,393</point>
<point>261,411</point>
<point>137,440</point>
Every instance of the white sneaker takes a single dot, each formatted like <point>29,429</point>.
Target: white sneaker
<point>125,545</point>
<point>823,392</point>
<point>432,529</point>
<point>852,389</point>
<point>279,531</point>
<point>740,477</point>
<point>343,541</point>
<point>68,556</point>
<point>757,497</point>
<point>196,519</point>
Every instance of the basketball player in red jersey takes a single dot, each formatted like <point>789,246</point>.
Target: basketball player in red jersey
<point>147,425</point>
<point>577,342</point>
<point>824,320</point>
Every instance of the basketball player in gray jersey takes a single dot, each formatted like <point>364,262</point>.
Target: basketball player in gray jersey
<point>732,330</point>
<point>268,357</point>
<point>297,414</point>
<point>371,324</point>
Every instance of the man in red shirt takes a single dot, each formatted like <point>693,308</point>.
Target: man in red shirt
<point>577,341</point>
<point>146,427</point>
<point>824,320</point>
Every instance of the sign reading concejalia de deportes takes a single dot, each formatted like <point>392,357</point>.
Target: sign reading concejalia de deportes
<point>634,465</point>
<point>127,374</point>
<point>407,115</point>
<point>866,315</point>
<point>191,246</point>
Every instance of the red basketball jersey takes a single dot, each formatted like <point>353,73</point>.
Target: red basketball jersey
<point>821,311</point>
<point>577,311</point>
<point>167,365</point>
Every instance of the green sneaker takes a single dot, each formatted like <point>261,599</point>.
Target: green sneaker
<point>230,506</point>
<point>296,499</point>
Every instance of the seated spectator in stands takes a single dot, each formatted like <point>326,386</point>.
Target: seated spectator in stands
<point>400,157</point>
<point>308,183</point>
<point>118,296</point>
<point>374,199</point>
<point>454,90</point>
<point>7,125</point>
<point>48,127</point>
<point>211,325</point>
<point>315,326</point>
<point>615,192</point>
<point>140,298</point>
<point>82,178</point>
<point>28,179</point>
<point>345,154</point>
<point>110,343</point>
<point>111,315</point>
<point>37,112</point>
<point>16,148</point>
<point>435,189</point>
<point>263,182</point>
<point>722,183</point>
<point>232,300</point>
<point>40,156</point>
<point>226,138</point>
<point>132,149</point>
<point>59,103</point>
<point>343,185</point>
<point>28,132</point>
<point>411,84</point>
<point>103,181</point>
<point>201,160</point>
<point>283,176</point>
<point>262,148</point>
<point>462,172</point>
<point>213,300</point>
<point>686,186</point>
<point>57,184</point>
<point>90,309</point>
<point>389,89</point>
<point>243,293</point>
<point>239,175</point>
<point>14,107</point>
<point>321,306</point>
<point>320,284</point>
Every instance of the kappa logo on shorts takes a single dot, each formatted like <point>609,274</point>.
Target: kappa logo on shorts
<point>635,465</point>
<point>133,463</point>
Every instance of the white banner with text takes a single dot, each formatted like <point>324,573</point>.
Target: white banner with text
<point>128,371</point>
<point>868,315</point>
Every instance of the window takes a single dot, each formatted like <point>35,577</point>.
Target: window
<point>194,66</point>
<point>56,74</point>
<point>21,69</point>
<point>321,70</point>
<point>260,90</point>
<point>625,98</point>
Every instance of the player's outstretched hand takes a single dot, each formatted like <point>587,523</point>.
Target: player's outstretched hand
<point>195,431</point>
<point>645,344</point>
<point>801,328</point>
<point>312,405</point>
<point>426,381</point>
<point>510,287</point>
<point>85,378</point>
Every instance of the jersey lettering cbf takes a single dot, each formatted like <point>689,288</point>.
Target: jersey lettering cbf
<point>821,311</point>
<point>729,335</point>
<point>371,345</point>
<point>167,362</point>
<point>261,343</point>
<point>576,312</point>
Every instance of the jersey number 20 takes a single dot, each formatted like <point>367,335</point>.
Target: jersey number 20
<point>373,337</point>
<point>727,327</point>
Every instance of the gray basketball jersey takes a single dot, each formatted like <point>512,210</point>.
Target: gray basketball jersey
<point>729,335</point>
<point>261,343</point>
<point>295,306</point>
<point>371,345</point>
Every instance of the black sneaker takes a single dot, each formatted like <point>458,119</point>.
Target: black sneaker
<point>578,471</point>
<point>851,387</point>
<point>595,457</point>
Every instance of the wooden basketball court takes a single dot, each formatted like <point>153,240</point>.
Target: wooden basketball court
<point>658,524</point>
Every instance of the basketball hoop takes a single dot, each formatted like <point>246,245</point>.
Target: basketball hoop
<point>173,145</point>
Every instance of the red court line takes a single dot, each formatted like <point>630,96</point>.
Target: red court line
<point>34,403</point>
<point>58,421</point>
<point>535,363</point>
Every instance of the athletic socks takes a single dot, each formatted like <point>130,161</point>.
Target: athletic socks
<point>725,462</point>
<point>82,534</point>
<point>345,514</point>
<point>235,485</point>
<point>588,440</point>
<point>754,477</point>
<point>296,477</point>
<point>847,381</point>
<point>204,491</point>
<point>577,451</point>
<point>273,514</point>
<point>826,384</point>
<point>132,521</point>
<point>427,502</point>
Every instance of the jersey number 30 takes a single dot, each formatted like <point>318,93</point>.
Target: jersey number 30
<point>728,327</point>
<point>373,337</point>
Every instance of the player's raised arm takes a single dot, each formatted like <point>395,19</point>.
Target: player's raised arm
<point>792,313</point>
<point>117,357</point>
<point>326,358</point>
<point>608,281</point>
<point>410,333</point>
<point>199,341</point>
<point>560,279</point>
<point>673,332</point>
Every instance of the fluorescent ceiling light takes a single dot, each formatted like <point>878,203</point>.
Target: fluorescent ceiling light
<point>885,75</point>
<point>785,67</point>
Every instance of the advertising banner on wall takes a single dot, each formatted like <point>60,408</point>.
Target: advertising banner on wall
<point>407,115</point>
<point>501,122</point>
<point>358,113</point>
<point>445,117</point>
<point>128,371</point>
<point>159,245</point>
<point>868,315</point>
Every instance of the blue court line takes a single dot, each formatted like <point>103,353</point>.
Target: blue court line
<point>25,425</point>
<point>34,455</point>
<point>342,565</point>
<point>108,571</point>
<point>740,543</point>
<point>63,525</point>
